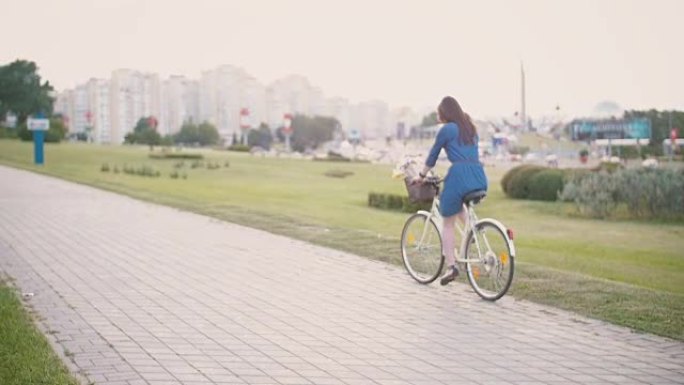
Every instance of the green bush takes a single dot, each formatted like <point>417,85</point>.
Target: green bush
<point>104,167</point>
<point>509,174</point>
<point>546,185</point>
<point>176,155</point>
<point>9,133</point>
<point>519,150</point>
<point>645,193</point>
<point>395,202</point>
<point>518,184</point>
<point>609,167</point>
<point>652,193</point>
<point>338,173</point>
<point>238,147</point>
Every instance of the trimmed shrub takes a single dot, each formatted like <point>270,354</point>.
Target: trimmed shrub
<point>238,147</point>
<point>546,185</point>
<point>338,173</point>
<point>395,202</point>
<point>518,184</point>
<point>509,174</point>
<point>105,167</point>
<point>176,155</point>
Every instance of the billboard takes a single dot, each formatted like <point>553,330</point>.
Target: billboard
<point>587,129</point>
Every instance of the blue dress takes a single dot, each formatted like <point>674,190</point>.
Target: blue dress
<point>466,173</point>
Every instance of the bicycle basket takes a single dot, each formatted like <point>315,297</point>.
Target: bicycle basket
<point>420,193</point>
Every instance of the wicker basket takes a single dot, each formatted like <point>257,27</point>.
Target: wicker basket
<point>420,193</point>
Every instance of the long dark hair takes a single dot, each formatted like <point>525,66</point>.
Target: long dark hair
<point>450,111</point>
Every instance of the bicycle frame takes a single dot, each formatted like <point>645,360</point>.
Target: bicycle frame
<point>434,215</point>
<point>406,168</point>
<point>463,230</point>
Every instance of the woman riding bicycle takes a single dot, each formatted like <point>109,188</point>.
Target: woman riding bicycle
<point>459,139</point>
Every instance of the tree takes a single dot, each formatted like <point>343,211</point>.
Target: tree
<point>207,134</point>
<point>54,134</point>
<point>261,137</point>
<point>311,132</point>
<point>204,135</point>
<point>430,120</point>
<point>144,132</point>
<point>22,92</point>
<point>188,134</point>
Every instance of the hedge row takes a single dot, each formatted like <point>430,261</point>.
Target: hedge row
<point>644,192</point>
<point>175,155</point>
<point>534,182</point>
<point>395,202</point>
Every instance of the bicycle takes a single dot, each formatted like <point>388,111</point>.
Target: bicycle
<point>486,251</point>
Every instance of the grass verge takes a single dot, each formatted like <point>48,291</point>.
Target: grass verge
<point>25,355</point>
<point>627,273</point>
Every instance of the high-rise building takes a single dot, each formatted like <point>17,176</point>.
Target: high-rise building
<point>340,109</point>
<point>371,119</point>
<point>79,109</point>
<point>98,115</point>
<point>133,95</point>
<point>227,97</point>
<point>179,105</point>
<point>224,93</point>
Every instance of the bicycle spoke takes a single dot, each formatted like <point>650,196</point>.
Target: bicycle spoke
<point>491,277</point>
<point>421,248</point>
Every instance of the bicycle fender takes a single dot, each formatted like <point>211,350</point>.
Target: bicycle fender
<point>503,230</point>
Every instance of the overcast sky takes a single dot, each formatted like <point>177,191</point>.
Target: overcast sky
<point>576,53</point>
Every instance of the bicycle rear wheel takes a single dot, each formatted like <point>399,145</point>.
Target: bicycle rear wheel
<point>421,248</point>
<point>490,263</point>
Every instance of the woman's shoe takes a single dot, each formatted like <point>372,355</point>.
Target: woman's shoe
<point>450,275</point>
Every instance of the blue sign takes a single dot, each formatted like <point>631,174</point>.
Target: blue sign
<point>639,128</point>
<point>38,125</point>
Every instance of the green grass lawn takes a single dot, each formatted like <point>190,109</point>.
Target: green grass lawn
<point>625,272</point>
<point>25,355</point>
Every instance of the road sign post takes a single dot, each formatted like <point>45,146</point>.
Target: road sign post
<point>287,130</point>
<point>38,126</point>
<point>245,124</point>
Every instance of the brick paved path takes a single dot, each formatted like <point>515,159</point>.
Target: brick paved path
<point>135,293</point>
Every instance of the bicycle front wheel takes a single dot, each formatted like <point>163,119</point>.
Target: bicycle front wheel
<point>421,248</point>
<point>489,263</point>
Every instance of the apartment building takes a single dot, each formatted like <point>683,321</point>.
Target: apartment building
<point>133,95</point>
<point>109,109</point>
<point>180,104</point>
<point>99,111</point>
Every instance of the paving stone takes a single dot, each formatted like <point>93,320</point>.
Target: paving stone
<point>138,293</point>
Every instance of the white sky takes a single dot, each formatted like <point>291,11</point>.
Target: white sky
<point>405,52</point>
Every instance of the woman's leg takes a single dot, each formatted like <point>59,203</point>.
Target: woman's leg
<point>449,236</point>
<point>449,240</point>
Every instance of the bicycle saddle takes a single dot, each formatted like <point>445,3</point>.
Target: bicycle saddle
<point>474,196</point>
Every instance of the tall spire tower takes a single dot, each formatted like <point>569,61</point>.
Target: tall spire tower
<point>523,116</point>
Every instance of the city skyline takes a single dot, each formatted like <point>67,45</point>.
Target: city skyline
<point>109,108</point>
<point>576,54</point>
